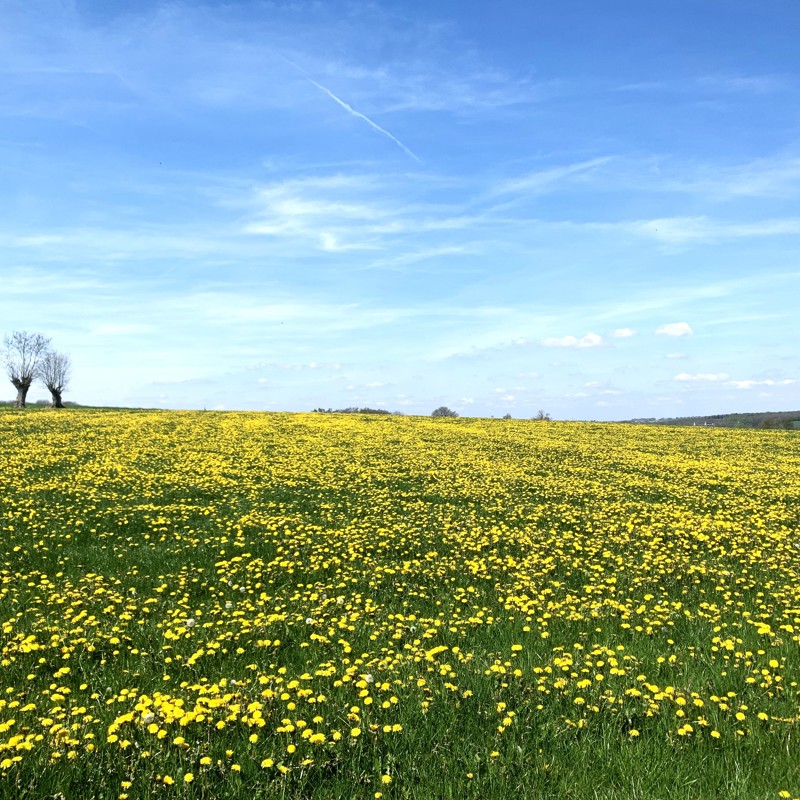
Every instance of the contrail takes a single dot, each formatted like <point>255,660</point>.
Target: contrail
<point>351,110</point>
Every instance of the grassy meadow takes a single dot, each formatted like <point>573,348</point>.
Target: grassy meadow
<point>232,605</point>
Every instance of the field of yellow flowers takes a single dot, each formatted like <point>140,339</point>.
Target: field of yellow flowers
<point>233,605</point>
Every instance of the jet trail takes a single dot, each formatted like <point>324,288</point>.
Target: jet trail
<point>351,110</point>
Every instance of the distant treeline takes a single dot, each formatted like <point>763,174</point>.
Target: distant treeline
<point>771,420</point>
<point>353,410</point>
<point>42,404</point>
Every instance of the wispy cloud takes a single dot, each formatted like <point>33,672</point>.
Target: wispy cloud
<point>748,84</point>
<point>714,84</point>
<point>400,262</point>
<point>122,329</point>
<point>775,176</point>
<point>546,180</point>
<point>699,230</point>
<point>332,244</point>
<point>750,384</point>
<point>701,377</point>
<point>670,176</point>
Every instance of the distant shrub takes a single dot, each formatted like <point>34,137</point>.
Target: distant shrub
<point>444,411</point>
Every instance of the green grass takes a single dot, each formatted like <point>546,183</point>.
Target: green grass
<point>474,576</point>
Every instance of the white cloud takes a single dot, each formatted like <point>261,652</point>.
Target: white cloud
<point>675,329</point>
<point>623,333</point>
<point>702,376</point>
<point>590,340</point>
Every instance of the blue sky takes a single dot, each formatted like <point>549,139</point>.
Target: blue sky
<point>587,208</point>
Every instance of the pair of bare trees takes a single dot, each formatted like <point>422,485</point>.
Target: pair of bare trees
<point>29,357</point>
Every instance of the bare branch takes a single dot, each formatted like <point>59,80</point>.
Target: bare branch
<point>23,352</point>
<point>55,370</point>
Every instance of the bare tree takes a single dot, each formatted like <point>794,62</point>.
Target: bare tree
<point>23,353</point>
<point>54,372</point>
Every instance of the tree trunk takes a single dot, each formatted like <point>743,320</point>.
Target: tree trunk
<point>56,395</point>
<point>22,391</point>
